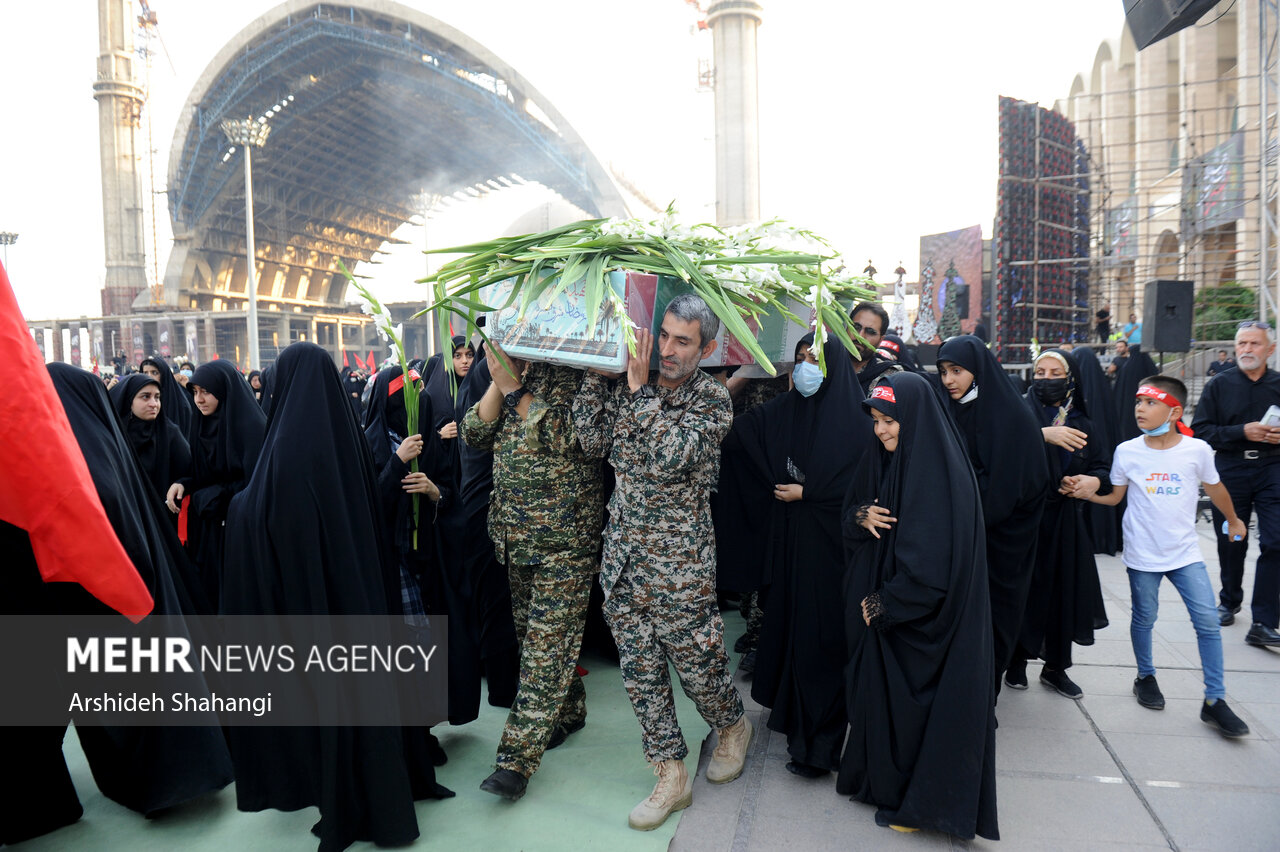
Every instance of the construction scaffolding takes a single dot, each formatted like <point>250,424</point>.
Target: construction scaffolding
<point>1173,138</point>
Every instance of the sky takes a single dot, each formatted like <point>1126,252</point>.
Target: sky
<point>878,121</point>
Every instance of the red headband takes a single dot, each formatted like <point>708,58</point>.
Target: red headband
<point>884,392</point>
<point>889,344</point>
<point>398,382</point>
<point>1168,399</point>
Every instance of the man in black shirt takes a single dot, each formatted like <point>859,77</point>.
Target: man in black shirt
<point>1229,417</point>
<point>1104,323</point>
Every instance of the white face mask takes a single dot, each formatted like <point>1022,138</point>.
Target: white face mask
<point>807,378</point>
<point>970,395</point>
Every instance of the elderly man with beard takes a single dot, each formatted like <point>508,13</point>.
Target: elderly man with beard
<point>662,435</point>
<point>1229,416</point>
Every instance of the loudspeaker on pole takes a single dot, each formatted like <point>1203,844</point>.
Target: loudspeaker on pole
<point>1166,317</point>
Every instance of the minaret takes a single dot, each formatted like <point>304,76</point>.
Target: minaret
<point>120,101</point>
<point>733,26</point>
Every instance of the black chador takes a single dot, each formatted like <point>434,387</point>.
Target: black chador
<point>1137,367</point>
<point>146,769</point>
<point>921,742</point>
<point>813,441</point>
<point>303,538</point>
<point>160,447</point>
<point>224,450</point>
<point>1064,605</point>
<point>1100,521</point>
<point>1004,444</point>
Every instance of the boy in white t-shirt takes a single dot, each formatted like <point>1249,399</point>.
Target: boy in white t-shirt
<point>1166,466</point>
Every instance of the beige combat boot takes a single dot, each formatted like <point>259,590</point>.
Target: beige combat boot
<point>673,792</point>
<point>731,752</point>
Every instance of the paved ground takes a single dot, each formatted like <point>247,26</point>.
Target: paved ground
<point>1101,773</point>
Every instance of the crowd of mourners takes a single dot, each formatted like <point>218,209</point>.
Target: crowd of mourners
<point>901,543</point>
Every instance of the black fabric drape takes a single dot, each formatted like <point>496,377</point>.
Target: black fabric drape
<point>159,447</point>
<point>143,768</point>
<point>1064,603</point>
<point>1004,444</point>
<point>224,450</point>
<point>1100,521</point>
<point>316,474</point>
<point>815,441</point>
<point>921,741</point>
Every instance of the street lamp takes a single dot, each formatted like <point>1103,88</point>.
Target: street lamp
<point>7,238</point>
<point>249,133</point>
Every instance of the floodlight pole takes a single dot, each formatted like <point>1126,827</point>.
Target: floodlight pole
<point>249,134</point>
<point>7,238</point>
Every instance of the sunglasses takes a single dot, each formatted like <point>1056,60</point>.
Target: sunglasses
<point>858,327</point>
<point>1254,324</point>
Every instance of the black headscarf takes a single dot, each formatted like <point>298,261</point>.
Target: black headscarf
<point>1004,441</point>
<point>920,688</point>
<point>175,403</point>
<point>386,425</point>
<point>225,445</point>
<point>160,448</point>
<point>903,354</point>
<point>1137,367</point>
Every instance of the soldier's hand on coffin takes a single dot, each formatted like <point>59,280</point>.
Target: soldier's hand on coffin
<point>505,370</point>
<point>638,364</point>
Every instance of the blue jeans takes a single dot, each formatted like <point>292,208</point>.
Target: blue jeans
<point>1192,582</point>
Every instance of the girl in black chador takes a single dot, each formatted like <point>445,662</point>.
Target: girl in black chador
<point>303,538</point>
<point>161,449</point>
<point>1004,443</point>
<point>225,439</point>
<point>1101,521</point>
<point>798,452</point>
<point>921,694</point>
<point>1065,602</point>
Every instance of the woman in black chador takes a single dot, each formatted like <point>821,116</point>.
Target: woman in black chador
<point>921,698</point>
<point>225,439</point>
<point>800,449</point>
<point>421,573</point>
<point>161,449</point>
<point>1065,601</point>
<point>143,768</point>
<point>1004,444</point>
<point>315,475</point>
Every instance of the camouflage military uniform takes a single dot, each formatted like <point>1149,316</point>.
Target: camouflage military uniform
<point>658,570</point>
<point>545,516</point>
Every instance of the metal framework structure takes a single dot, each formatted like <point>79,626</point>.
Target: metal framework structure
<point>1268,179</point>
<point>372,105</point>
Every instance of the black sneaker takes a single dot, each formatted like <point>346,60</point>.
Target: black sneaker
<point>1220,716</point>
<point>1059,681</point>
<point>1016,675</point>
<point>1148,692</point>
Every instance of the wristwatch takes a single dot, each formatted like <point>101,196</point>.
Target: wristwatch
<point>511,400</point>
<point>644,392</point>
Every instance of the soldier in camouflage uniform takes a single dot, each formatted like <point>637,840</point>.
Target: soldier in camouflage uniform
<point>658,570</point>
<point>545,516</point>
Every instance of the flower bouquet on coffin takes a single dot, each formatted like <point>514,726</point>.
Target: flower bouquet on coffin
<point>575,294</point>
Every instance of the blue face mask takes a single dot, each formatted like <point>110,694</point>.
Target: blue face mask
<point>808,378</point>
<point>1159,430</point>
